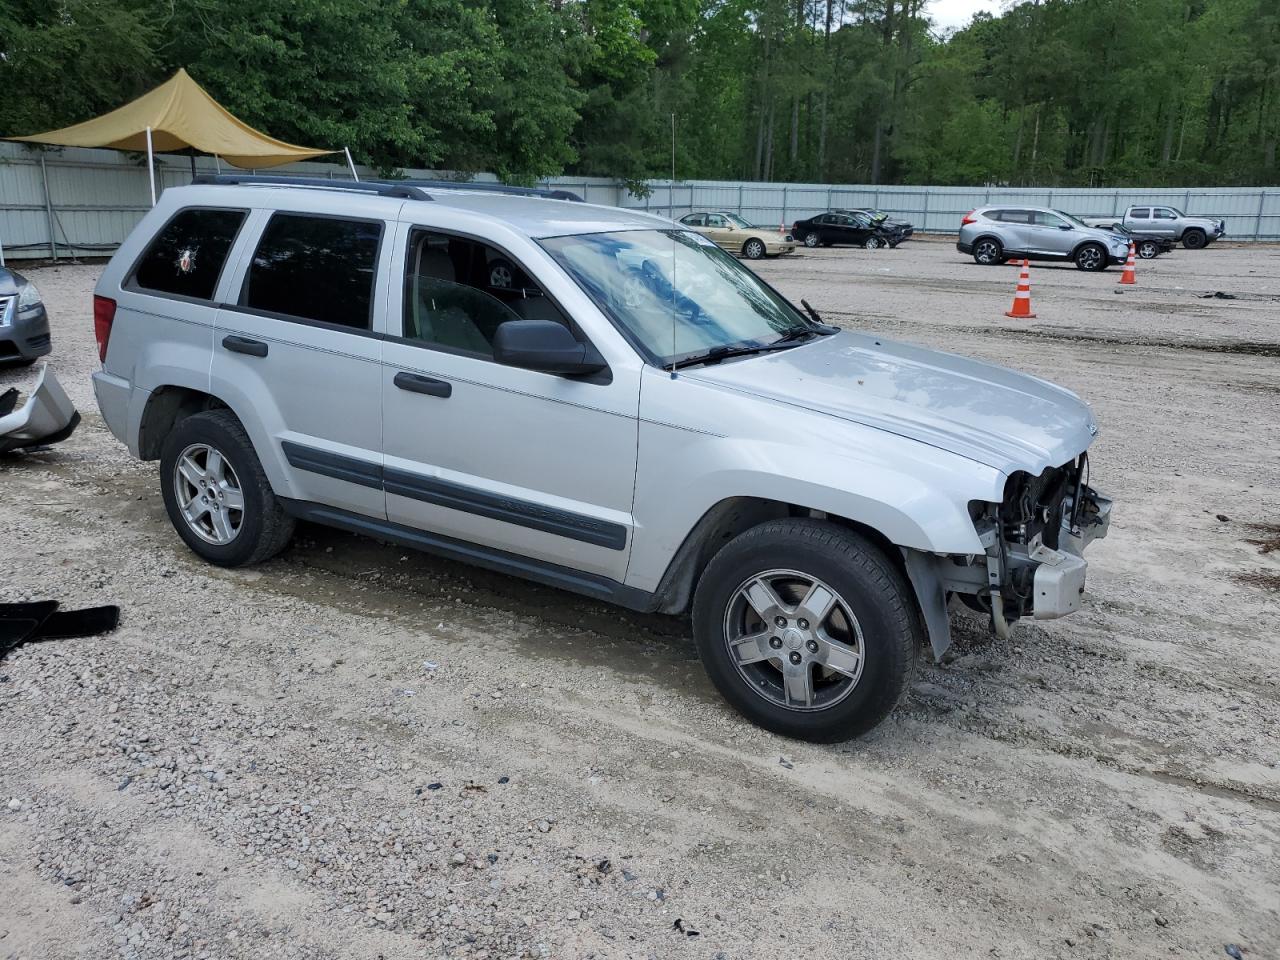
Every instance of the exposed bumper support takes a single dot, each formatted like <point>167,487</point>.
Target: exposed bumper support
<point>47,417</point>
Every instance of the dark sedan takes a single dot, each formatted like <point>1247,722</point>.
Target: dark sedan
<point>827,229</point>
<point>24,325</point>
<point>883,219</point>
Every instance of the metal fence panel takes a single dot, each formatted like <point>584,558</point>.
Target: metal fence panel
<point>95,197</point>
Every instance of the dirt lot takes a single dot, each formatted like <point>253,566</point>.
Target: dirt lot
<point>357,752</point>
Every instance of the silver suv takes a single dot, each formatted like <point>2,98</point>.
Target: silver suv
<point>1000,233</point>
<point>633,416</point>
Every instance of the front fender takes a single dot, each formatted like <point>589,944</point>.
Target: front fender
<point>915,495</point>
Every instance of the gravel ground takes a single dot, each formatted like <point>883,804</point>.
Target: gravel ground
<point>357,752</point>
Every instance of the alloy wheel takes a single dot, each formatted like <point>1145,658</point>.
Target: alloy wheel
<point>794,640</point>
<point>811,240</point>
<point>987,252</point>
<point>209,494</point>
<point>1090,258</point>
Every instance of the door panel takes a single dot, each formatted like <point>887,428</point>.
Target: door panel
<point>525,462</point>
<point>304,376</point>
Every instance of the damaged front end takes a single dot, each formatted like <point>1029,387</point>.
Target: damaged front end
<point>47,417</point>
<point>1033,565</point>
<point>1034,540</point>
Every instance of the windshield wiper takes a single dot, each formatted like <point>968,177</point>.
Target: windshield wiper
<point>716,354</point>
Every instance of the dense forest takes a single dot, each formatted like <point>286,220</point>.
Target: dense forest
<point>1093,92</point>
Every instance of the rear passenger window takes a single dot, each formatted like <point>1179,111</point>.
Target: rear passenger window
<point>315,268</point>
<point>457,292</point>
<point>186,259</point>
<point>1140,213</point>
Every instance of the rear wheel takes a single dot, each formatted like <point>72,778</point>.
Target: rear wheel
<point>216,493</point>
<point>811,239</point>
<point>1148,249</point>
<point>1091,257</point>
<point>1194,239</point>
<point>988,252</point>
<point>806,629</point>
<point>753,249</point>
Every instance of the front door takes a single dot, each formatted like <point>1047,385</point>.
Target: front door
<point>719,229</point>
<point>295,349</point>
<point>517,461</point>
<point>1163,222</point>
<point>1050,235</point>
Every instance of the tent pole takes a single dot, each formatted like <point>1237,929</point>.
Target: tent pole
<point>193,166</point>
<point>354,176</point>
<point>151,167</point>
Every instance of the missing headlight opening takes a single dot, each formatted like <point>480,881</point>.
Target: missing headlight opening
<point>1034,540</point>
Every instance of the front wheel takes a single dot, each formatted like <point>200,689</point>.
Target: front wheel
<point>807,629</point>
<point>216,493</point>
<point>811,240</point>
<point>1148,249</point>
<point>1091,257</point>
<point>1194,239</point>
<point>873,243</point>
<point>753,250</point>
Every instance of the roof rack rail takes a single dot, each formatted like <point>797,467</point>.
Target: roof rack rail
<point>489,187</point>
<point>401,190</point>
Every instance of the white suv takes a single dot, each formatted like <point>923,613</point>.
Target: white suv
<point>630,414</point>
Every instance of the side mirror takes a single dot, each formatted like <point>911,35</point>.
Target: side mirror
<point>543,345</point>
<point>1065,226</point>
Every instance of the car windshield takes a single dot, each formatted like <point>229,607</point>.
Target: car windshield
<point>738,222</point>
<point>1070,219</point>
<point>677,293</point>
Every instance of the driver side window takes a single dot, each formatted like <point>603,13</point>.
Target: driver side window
<point>457,291</point>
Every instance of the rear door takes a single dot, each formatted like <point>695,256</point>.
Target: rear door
<point>1014,228</point>
<point>296,356</point>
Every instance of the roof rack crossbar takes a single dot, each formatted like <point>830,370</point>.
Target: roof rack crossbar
<point>396,190</point>
<point>490,187</point>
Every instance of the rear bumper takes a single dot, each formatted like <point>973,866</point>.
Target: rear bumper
<point>25,337</point>
<point>964,247</point>
<point>113,395</point>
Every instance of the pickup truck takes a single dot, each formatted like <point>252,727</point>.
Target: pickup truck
<point>1193,232</point>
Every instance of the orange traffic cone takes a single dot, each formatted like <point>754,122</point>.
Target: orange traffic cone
<point>1128,276</point>
<point>1022,299</point>
<point>782,228</point>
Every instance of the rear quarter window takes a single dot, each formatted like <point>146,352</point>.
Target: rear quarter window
<point>186,257</point>
<point>315,268</point>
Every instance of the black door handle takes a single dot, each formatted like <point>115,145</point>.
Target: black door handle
<point>254,348</point>
<point>415,383</point>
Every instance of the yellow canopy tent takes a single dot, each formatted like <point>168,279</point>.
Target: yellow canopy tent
<point>174,116</point>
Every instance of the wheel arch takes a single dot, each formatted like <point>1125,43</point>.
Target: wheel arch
<point>734,516</point>
<point>166,406</point>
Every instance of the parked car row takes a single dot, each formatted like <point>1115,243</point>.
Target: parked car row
<point>871,229</point>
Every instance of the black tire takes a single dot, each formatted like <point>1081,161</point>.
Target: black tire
<point>1194,239</point>
<point>1148,249</point>
<point>502,274</point>
<point>988,251</point>
<point>754,249</point>
<point>872,243</point>
<point>1091,257</point>
<point>264,528</point>
<point>812,240</point>
<point>870,586</point>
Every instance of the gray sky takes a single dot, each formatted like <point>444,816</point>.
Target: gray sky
<point>949,14</point>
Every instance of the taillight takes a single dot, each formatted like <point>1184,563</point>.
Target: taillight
<point>968,219</point>
<point>104,314</point>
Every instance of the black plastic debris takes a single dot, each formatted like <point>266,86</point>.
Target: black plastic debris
<point>504,779</point>
<point>679,927</point>
<point>604,866</point>
<point>784,762</point>
<point>1234,952</point>
<point>37,622</point>
<point>1218,295</point>
<point>435,786</point>
<point>1224,518</point>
